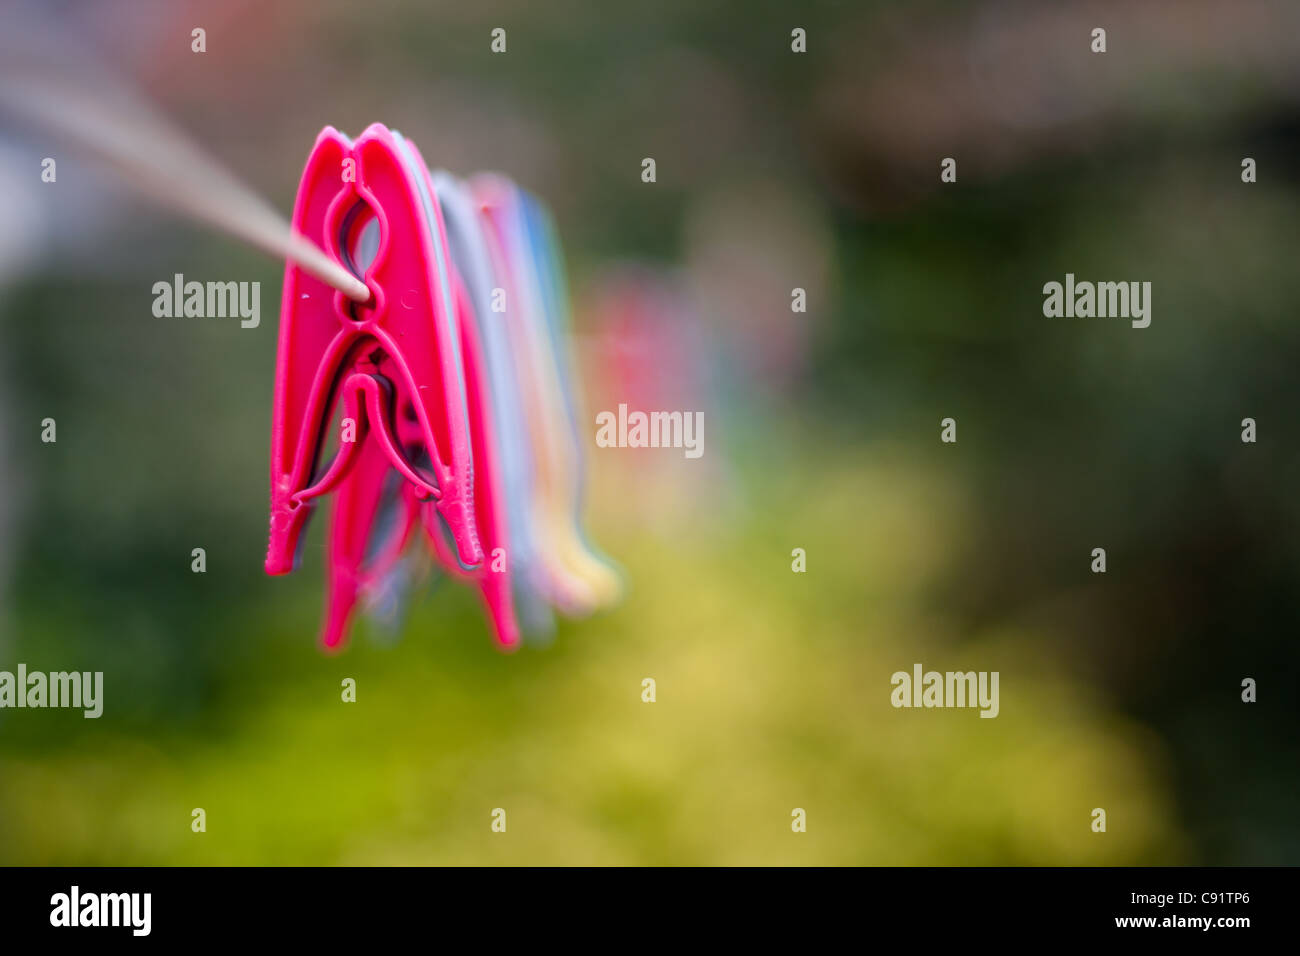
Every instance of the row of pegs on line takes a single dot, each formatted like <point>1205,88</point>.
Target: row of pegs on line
<point>447,391</point>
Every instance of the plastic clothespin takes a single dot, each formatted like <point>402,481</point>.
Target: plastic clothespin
<point>512,459</point>
<point>495,576</point>
<point>397,356</point>
<point>574,579</point>
<point>362,563</point>
<point>547,257</point>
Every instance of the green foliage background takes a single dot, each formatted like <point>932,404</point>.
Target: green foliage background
<point>1118,691</point>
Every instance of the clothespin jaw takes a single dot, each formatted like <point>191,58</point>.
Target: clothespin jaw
<point>354,515</point>
<point>398,351</point>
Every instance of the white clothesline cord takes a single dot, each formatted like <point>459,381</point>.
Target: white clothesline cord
<point>159,160</point>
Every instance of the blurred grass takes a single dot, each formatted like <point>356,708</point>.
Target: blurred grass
<point>773,693</point>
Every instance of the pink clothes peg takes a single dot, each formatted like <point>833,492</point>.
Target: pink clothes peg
<point>494,578</point>
<point>424,385</point>
<point>364,554</point>
<point>360,497</point>
<point>395,357</point>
